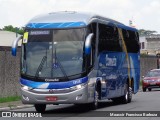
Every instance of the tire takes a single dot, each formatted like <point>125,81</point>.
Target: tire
<point>144,89</point>
<point>40,108</point>
<point>127,98</point>
<point>94,104</point>
<point>128,95</point>
<point>149,89</point>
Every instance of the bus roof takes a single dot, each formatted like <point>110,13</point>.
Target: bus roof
<point>69,19</point>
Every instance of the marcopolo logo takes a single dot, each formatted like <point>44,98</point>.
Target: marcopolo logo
<point>52,90</point>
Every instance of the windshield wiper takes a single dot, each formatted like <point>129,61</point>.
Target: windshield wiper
<point>60,65</point>
<point>40,66</point>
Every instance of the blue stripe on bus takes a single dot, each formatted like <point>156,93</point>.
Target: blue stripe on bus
<point>53,85</point>
<point>71,25</point>
<point>14,50</point>
<point>56,25</point>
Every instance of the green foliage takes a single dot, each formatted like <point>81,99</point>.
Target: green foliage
<point>9,99</point>
<point>143,32</point>
<point>13,29</point>
<point>143,54</point>
<point>140,83</point>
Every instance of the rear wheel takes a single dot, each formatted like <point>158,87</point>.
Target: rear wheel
<point>149,89</point>
<point>144,89</point>
<point>127,98</point>
<point>128,95</point>
<point>40,107</point>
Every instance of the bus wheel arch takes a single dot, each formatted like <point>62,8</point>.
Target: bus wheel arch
<point>98,89</point>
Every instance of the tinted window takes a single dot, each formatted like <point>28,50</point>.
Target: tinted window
<point>108,38</point>
<point>153,74</point>
<point>131,40</point>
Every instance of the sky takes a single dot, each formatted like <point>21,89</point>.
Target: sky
<point>145,14</point>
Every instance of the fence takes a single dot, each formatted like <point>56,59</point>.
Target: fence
<point>147,63</point>
<point>9,73</point>
<point>10,67</point>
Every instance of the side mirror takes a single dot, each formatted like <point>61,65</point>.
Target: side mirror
<point>15,44</point>
<point>88,44</point>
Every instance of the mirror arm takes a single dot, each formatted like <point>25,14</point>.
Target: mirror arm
<point>15,44</point>
<point>88,43</point>
<point>88,50</point>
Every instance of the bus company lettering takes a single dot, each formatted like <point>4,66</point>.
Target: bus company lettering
<point>111,61</point>
<point>77,81</point>
<point>51,80</point>
<point>111,77</point>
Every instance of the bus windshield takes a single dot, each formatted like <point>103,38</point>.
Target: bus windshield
<point>53,53</point>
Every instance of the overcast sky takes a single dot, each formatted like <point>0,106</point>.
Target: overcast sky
<point>144,13</point>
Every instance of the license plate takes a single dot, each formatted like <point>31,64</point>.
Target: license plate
<point>51,98</point>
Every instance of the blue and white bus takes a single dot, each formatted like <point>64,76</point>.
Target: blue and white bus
<point>77,58</point>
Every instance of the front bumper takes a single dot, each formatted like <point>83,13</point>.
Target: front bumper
<point>74,97</point>
<point>151,85</point>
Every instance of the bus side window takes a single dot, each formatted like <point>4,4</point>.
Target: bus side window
<point>108,39</point>
<point>131,40</point>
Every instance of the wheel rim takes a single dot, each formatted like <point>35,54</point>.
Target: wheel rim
<point>126,96</point>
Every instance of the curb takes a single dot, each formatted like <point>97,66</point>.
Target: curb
<point>15,107</point>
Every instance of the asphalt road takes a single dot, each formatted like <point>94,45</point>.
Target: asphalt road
<point>142,101</point>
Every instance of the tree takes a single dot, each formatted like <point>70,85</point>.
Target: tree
<point>13,29</point>
<point>143,32</point>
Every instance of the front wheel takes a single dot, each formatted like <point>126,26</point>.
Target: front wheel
<point>94,104</point>
<point>130,94</point>
<point>40,107</point>
<point>144,89</point>
<point>149,89</point>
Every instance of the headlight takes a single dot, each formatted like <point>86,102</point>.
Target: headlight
<point>77,87</point>
<point>24,87</point>
<point>158,80</point>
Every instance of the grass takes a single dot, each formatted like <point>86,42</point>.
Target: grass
<point>140,83</point>
<point>10,99</point>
